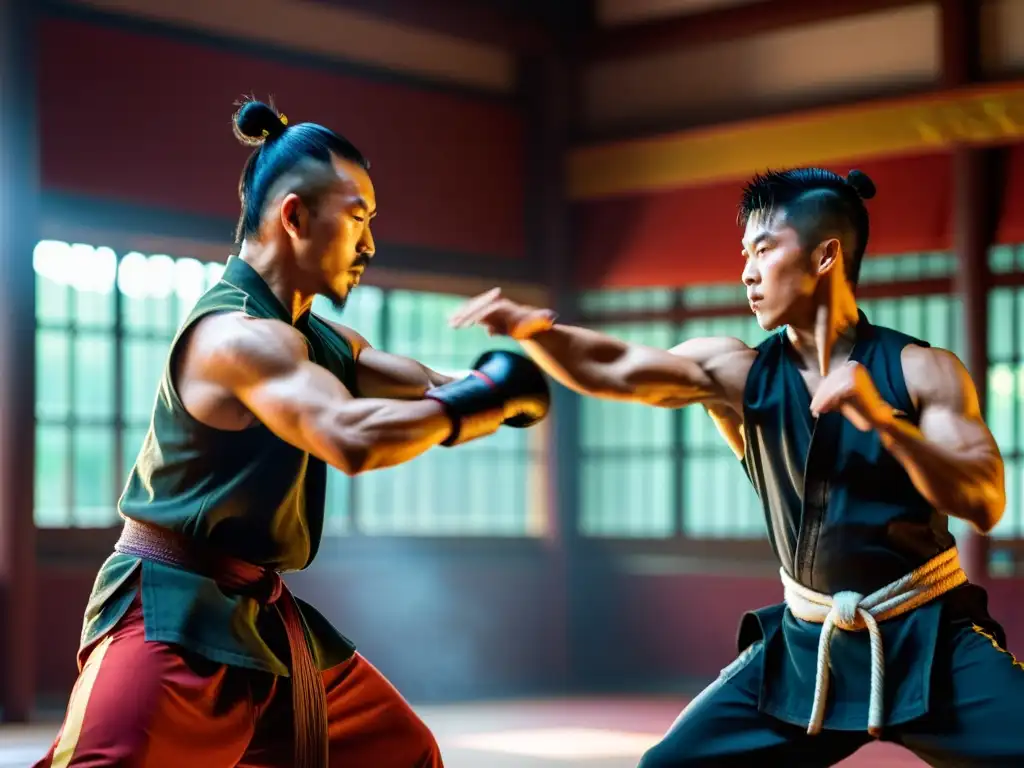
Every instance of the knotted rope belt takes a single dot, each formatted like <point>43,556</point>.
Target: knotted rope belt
<point>309,700</point>
<point>853,612</point>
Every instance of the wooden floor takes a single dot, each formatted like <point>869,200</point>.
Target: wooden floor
<point>594,733</point>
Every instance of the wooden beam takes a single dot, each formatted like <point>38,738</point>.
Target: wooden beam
<point>976,116</point>
<point>661,35</point>
<point>978,189</point>
<point>459,18</point>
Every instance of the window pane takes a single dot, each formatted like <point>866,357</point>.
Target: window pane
<point>482,488</point>
<point>94,376</point>
<point>149,300</point>
<point>53,353</point>
<point>336,512</point>
<point>93,277</point>
<point>363,312</point>
<point>51,477</point>
<point>95,483</point>
<point>53,301</point>
<point>630,497</point>
<point>718,500</point>
<point>189,285</point>
<point>631,300</point>
<point>143,366</point>
<point>626,486</point>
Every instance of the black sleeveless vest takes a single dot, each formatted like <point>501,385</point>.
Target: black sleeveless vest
<point>842,513</point>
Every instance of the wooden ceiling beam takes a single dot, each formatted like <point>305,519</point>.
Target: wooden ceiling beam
<point>465,19</point>
<point>677,32</point>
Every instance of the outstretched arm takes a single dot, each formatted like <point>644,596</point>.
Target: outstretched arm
<point>262,366</point>
<point>951,457</point>
<point>595,364</point>
<point>383,374</point>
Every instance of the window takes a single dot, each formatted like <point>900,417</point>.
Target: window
<point>75,386</point>
<point>492,487</point>
<point>1006,384</point>
<point>718,500</point>
<point>104,323</point>
<point>628,456</point>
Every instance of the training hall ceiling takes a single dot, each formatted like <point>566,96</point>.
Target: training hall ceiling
<point>335,30</point>
<point>825,59</point>
<point>614,12</point>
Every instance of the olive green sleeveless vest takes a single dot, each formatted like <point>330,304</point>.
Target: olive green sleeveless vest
<point>248,493</point>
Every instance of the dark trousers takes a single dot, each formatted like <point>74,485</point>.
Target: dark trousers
<point>976,717</point>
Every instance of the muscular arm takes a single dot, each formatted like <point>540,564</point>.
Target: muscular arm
<point>591,363</point>
<point>382,374</point>
<point>264,366</point>
<point>595,364</point>
<point>952,458</point>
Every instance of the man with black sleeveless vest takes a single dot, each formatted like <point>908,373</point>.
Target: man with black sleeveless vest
<point>193,652</point>
<point>859,441</point>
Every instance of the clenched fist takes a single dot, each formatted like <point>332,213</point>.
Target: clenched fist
<point>502,317</point>
<point>850,390</point>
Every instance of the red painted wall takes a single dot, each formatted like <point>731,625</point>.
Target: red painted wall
<point>690,236</point>
<point>140,118</point>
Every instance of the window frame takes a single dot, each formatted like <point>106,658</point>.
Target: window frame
<point>91,545</point>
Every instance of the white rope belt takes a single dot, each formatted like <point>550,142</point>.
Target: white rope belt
<point>853,612</point>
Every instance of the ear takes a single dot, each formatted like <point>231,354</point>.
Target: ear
<point>827,255</point>
<point>294,216</point>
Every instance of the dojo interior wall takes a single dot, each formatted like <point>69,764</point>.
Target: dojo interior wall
<point>133,119</point>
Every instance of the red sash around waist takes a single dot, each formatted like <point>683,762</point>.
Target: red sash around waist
<point>309,700</point>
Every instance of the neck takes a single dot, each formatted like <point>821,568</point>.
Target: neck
<point>827,334</point>
<point>278,273</point>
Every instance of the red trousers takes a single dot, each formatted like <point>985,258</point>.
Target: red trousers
<point>152,705</point>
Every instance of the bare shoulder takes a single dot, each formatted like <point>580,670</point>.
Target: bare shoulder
<point>937,376</point>
<point>232,346</point>
<point>724,359</point>
<point>710,347</point>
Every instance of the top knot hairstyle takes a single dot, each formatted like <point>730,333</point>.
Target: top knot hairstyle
<point>818,204</point>
<point>280,148</point>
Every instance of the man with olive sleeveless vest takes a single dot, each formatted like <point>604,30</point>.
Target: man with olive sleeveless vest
<point>193,651</point>
<point>860,441</point>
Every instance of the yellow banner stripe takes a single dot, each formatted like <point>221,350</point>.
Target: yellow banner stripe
<point>979,116</point>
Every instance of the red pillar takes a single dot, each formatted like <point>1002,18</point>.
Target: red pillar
<point>976,204</point>
<point>548,84</point>
<point>19,203</point>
